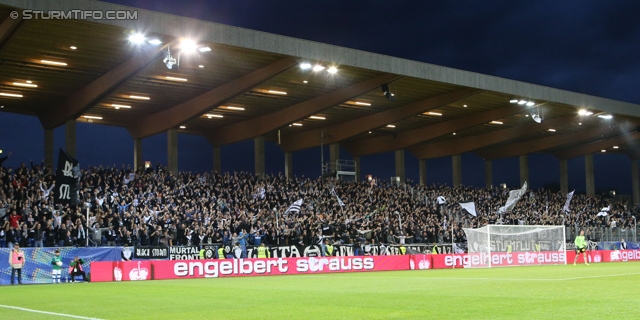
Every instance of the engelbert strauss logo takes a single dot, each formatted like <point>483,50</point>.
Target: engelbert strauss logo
<point>75,14</point>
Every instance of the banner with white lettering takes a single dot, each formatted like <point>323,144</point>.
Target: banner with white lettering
<point>67,180</point>
<point>171,269</point>
<point>184,253</point>
<point>151,252</point>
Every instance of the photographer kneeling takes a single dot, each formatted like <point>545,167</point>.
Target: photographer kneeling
<point>75,269</point>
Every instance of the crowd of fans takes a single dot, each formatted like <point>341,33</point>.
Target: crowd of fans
<point>117,206</point>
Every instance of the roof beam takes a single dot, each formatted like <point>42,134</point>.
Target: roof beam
<point>8,28</point>
<point>412,137</point>
<point>179,114</point>
<point>474,142</point>
<point>258,126</point>
<point>339,132</point>
<point>568,153</point>
<point>81,100</point>
<point>553,141</point>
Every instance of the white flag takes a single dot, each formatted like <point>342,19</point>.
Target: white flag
<point>333,192</point>
<point>441,200</point>
<point>295,207</point>
<point>514,196</point>
<point>470,207</point>
<point>566,204</point>
<point>604,211</point>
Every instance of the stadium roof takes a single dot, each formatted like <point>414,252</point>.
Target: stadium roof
<point>250,83</point>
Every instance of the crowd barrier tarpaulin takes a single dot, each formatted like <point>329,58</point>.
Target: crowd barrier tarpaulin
<point>183,269</point>
<point>37,268</point>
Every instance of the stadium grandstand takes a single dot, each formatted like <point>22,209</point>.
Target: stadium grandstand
<point>298,94</point>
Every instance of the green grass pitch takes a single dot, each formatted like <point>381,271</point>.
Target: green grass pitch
<point>598,291</point>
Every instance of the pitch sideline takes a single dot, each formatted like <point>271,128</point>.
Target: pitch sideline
<point>47,312</point>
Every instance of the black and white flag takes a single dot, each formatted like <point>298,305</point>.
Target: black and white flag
<point>295,207</point>
<point>566,204</point>
<point>334,193</point>
<point>67,180</point>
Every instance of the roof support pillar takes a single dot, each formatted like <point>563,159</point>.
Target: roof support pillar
<point>288,165</point>
<point>635,181</point>
<point>258,143</point>
<point>564,177</point>
<point>400,171</point>
<point>422,171</point>
<point>524,169</point>
<point>138,162</point>
<point>172,151</point>
<point>588,168</point>
<point>488,173</point>
<point>217,159</point>
<point>70,137</point>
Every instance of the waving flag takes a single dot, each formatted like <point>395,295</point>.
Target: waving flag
<point>514,196</point>
<point>566,204</point>
<point>470,207</point>
<point>333,192</point>
<point>295,207</point>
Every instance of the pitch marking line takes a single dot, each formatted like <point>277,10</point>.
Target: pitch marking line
<point>497,279</point>
<point>47,312</point>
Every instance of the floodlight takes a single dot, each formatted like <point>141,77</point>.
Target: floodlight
<point>137,38</point>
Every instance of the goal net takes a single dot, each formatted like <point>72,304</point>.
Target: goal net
<point>515,245</point>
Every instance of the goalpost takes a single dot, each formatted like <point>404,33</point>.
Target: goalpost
<point>515,245</point>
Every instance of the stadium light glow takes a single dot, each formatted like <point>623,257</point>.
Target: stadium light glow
<point>234,108</point>
<point>28,84</point>
<point>54,63</point>
<point>615,147</point>
<point>434,114</point>
<point>305,66</point>
<point>276,92</point>
<point>175,78</point>
<point>317,118</point>
<point>212,115</point>
<point>13,95</point>
<point>551,130</point>
<point>155,41</point>
<point>137,38</point>
<point>332,70</point>
<point>391,126</point>
<point>584,112</point>
<point>513,101</point>
<point>183,127</point>
<point>318,67</point>
<point>188,46</point>
<point>139,97</point>
<point>297,124</point>
<point>73,47</point>
<point>605,116</point>
<point>497,122</point>
<point>204,49</point>
<point>118,106</point>
<point>92,117</point>
<point>521,102</point>
<point>530,104</point>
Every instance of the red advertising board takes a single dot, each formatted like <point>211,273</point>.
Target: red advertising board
<point>175,269</point>
<point>501,259</point>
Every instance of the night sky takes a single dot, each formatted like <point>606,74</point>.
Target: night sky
<point>583,46</point>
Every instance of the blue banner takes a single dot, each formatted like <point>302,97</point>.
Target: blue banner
<point>37,268</point>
